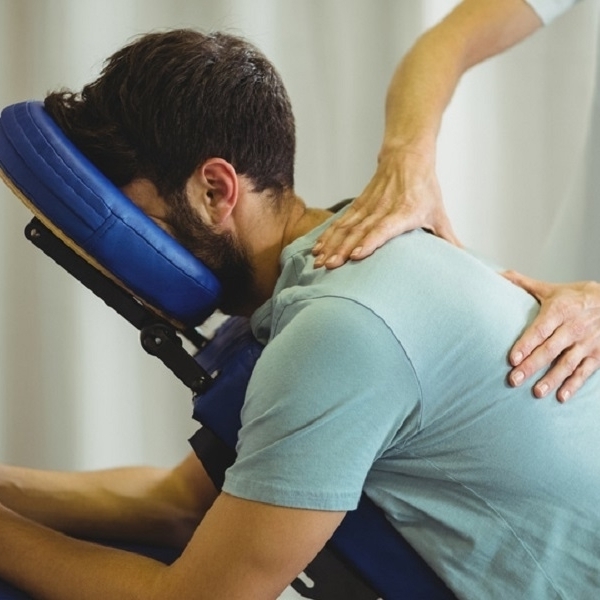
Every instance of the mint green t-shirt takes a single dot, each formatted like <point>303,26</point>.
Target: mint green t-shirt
<point>388,376</point>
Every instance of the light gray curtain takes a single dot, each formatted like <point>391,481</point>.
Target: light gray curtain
<point>76,390</point>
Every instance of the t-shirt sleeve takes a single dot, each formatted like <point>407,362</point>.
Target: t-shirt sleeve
<point>548,10</point>
<point>332,391</point>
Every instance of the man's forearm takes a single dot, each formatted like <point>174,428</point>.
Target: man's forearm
<point>426,79</point>
<point>138,504</point>
<point>49,565</point>
<point>242,549</point>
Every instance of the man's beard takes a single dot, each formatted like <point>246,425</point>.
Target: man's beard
<point>220,252</point>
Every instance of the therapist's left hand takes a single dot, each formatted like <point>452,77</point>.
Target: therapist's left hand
<point>565,336</point>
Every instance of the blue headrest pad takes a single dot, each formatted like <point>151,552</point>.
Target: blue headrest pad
<point>71,196</point>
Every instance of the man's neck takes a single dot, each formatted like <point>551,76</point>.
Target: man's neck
<point>302,220</point>
<point>277,229</point>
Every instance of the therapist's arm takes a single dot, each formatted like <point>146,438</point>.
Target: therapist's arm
<point>565,336</point>
<point>404,193</point>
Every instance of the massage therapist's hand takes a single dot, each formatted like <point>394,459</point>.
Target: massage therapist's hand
<point>403,195</point>
<point>566,331</point>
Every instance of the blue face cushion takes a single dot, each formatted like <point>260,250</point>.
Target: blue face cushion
<point>84,209</point>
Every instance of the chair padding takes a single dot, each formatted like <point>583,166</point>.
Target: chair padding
<point>79,204</point>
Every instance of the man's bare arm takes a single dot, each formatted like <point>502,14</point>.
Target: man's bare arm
<point>137,504</point>
<point>241,550</point>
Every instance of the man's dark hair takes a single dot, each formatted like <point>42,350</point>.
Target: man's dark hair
<point>167,102</point>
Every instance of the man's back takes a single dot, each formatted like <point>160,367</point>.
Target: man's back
<point>393,370</point>
<point>507,485</point>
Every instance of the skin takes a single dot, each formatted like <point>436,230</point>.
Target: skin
<point>245,549</point>
<point>567,322</point>
<point>238,549</point>
<point>404,193</point>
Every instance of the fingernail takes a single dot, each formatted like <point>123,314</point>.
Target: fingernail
<point>542,389</point>
<point>564,396</point>
<point>319,260</point>
<point>317,247</point>
<point>332,260</point>
<point>517,358</point>
<point>518,378</point>
<point>356,252</point>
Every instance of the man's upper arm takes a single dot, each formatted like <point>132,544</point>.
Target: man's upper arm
<point>247,550</point>
<point>331,392</point>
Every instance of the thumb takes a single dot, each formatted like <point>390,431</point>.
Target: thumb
<point>446,232</point>
<point>539,289</point>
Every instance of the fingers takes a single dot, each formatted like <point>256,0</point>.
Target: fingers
<point>573,383</point>
<point>563,368</point>
<point>567,375</point>
<point>356,236</point>
<point>542,343</point>
<point>549,319</point>
<point>335,245</point>
<point>569,370</point>
<point>539,345</point>
<point>359,232</point>
<point>540,357</point>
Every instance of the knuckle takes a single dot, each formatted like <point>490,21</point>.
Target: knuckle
<point>578,328</point>
<point>342,225</point>
<point>542,330</point>
<point>551,348</point>
<point>589,365</point>
<point>384,227</point>
<point>569,363</point>
<point>561,309</point>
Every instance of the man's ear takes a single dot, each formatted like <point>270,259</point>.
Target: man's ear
<point>213,190</point>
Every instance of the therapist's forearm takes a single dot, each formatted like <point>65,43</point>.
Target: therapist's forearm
<point>426,79</point>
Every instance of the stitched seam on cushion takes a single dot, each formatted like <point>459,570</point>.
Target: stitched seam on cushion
<point>112,213</point>
<point>26,137</point>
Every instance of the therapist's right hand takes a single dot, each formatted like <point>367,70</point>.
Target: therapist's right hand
<point>565,337</point>
<point>404,194</point>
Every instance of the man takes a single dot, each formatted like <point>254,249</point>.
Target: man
<point>404,193</point>
<point>385,376</point>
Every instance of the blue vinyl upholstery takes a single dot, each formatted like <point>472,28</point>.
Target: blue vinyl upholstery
<point>72,197</point>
